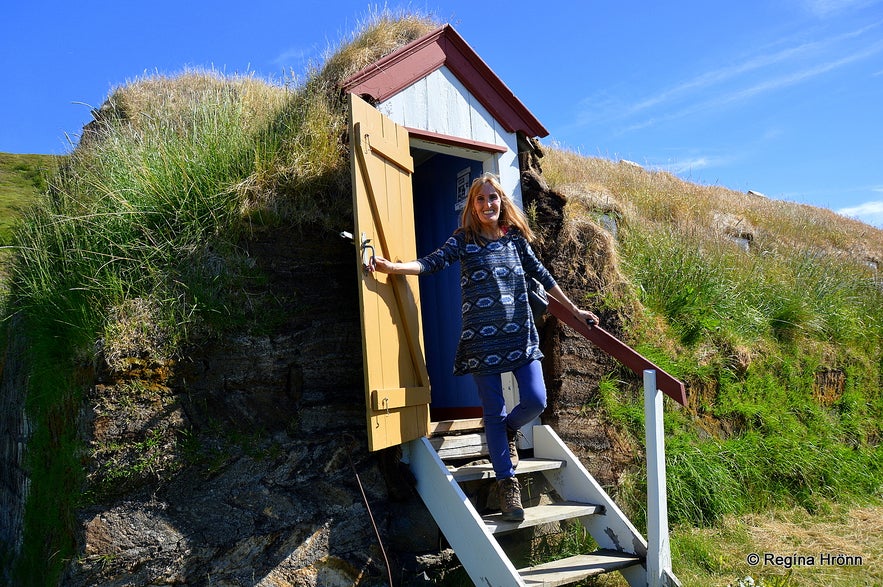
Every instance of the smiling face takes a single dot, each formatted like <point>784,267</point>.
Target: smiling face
<point>486,208</point>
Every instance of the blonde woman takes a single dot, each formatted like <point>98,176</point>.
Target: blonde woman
<point>492,245</point>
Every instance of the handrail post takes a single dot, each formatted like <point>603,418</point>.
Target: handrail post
<point>658,546</point>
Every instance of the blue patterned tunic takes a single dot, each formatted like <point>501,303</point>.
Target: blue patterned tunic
<point>498,334</point>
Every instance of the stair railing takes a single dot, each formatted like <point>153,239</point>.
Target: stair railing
<point>656,382</point>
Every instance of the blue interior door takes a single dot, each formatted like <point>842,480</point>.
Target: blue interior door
<point>437,214</point>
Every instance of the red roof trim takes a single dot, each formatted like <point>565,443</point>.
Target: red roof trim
<point>398,70</point>
<point>434,137</point>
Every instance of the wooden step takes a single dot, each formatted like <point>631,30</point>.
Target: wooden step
<point>460,446</point>
<point>443,427</point>
<point>542,514</point>
<point>486,470</point>
<point>575,568</point>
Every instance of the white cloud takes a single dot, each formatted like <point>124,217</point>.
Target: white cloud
<point>869,212</point>
<point>295,57</point>
<point>688,166</point>
<point>723,74</point>
<point>718,100</point>
<point>826,8</point>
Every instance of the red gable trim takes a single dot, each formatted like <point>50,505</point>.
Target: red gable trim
<point>398,70</point>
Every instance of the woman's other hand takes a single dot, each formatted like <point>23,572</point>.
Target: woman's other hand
<point>589,317</point>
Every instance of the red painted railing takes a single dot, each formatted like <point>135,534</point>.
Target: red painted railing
<point>620,351</point>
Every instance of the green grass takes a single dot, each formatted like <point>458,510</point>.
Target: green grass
<point>134,245</point>
<point>22,179</point>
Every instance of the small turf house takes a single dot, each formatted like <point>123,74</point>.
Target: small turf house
<point>426,120</point>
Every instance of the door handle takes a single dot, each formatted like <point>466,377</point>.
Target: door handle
<point>367,260</point>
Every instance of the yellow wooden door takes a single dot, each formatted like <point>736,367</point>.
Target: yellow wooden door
<point>396,380</point>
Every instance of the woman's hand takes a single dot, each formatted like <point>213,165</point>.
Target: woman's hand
<point>586,316</point>
<point>589,317</point>
<point>380,264</point>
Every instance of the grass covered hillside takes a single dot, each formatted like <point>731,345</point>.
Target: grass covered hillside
<point>22,179</point>
<point>771,312</point>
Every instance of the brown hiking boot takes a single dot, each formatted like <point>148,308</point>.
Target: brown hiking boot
<point>510,499</point>
<point>512,437</point>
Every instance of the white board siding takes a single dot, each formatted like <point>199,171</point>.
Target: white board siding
<point>439,103</point>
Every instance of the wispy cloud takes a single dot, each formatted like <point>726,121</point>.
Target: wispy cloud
<point>721,99</point>
<point>295,57</point>
<point>870,212</point>
<point>828,8</point>
<point>724,74</point>
<point>749,79</point>
<point>796,77</point>
<point>689,165</point>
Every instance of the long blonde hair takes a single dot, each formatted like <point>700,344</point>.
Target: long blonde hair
<point>511,216</point>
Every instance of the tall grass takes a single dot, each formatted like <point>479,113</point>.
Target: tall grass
<point>137,211</point>
<point>704,284</point>
<point>144,216</point>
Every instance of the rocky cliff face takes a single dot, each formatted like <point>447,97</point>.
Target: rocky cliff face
<point>246,463</point>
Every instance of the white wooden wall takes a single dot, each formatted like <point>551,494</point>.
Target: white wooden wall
<point>440,103</point>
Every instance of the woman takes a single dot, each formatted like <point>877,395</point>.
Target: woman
<point>499,334</point>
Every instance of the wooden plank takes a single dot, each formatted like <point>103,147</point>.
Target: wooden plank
<point>447,140</point>
<point>574,568</point>
<point>381,209</point>
<point>451,426</point>
<point>542,514</point>
<point>400,397</point>
<point>486,470</point>
<point>620,351</point>
<point>389,150</point>
<point>658,546</point>
<point>464,446</point>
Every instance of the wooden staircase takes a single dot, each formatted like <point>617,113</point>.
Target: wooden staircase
<point>474,537</point>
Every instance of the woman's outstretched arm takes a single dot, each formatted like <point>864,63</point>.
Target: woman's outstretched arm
<point>398,268</point>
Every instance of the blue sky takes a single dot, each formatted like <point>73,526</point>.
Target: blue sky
<point>783,97</point>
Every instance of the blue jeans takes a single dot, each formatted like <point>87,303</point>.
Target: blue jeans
<point>532,402</point>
